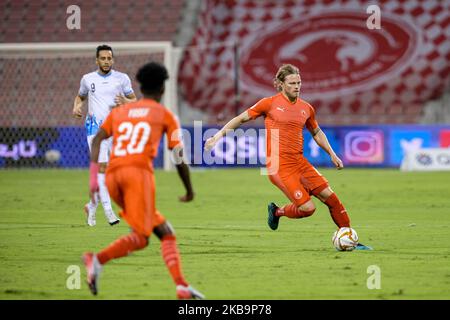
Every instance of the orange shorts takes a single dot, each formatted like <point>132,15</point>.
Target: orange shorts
<point>133,189</point>
<point>300,182</point>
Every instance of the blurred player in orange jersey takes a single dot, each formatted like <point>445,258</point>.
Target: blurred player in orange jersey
<point>137,129</point>
<point>285,117</point>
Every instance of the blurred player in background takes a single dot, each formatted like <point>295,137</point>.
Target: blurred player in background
<point>105,89</point>
<point>137,129</point>
<point>285,117</point>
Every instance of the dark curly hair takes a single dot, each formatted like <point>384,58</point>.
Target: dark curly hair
<point>152,76</point>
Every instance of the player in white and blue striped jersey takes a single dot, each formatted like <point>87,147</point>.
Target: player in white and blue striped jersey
<point>104,89</point>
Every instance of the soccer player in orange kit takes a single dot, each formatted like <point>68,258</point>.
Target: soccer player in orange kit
<point>285,116</point>
<point>137,129</point>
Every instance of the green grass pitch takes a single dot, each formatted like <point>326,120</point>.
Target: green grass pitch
<point>228,251</point>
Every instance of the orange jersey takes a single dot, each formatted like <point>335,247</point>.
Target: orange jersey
<point>137,129</point>
<point>284,122</point>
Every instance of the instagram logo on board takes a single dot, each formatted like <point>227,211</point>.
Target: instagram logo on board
<point>364,147</point>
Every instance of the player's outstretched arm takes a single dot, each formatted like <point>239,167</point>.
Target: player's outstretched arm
<point>183,173</point>
<point>77,110</point>
<point>321,139</point>
<point>231,125</point>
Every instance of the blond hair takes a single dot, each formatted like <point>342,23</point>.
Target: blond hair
<point>282,73</point>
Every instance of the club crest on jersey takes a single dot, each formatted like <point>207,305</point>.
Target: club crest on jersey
<point>92,87</point>
<point>298,194</point>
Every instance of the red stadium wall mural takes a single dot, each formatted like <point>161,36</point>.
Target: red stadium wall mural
<point>350,73</point>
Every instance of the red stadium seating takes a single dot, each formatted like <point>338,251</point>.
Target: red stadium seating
<point>45,21</point>
<point>50,92</point>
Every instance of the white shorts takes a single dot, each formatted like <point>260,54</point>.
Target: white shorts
<point>105,148</point>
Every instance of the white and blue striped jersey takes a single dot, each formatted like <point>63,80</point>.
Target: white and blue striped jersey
<point>101,91</point>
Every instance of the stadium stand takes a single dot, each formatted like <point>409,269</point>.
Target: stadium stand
<point>351,74</point>
<point>38,91</point>
<point>44,21</point>
<point>398,94</point>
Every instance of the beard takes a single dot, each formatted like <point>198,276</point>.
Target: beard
<point>105,69</point>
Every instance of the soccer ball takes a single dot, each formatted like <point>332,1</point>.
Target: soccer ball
<point>345,239</point>
<point>52,155</point>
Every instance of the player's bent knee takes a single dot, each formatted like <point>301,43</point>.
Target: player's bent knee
<point>306,209</point>
<point>140,240</point>
<point>308,206</point>
<point>308,213</point>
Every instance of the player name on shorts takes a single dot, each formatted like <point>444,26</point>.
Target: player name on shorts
<point>138,113</point>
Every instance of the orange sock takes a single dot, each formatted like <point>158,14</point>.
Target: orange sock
<point>293,212</point>
<point>171,257</point>
<point>122,247</point>
<point>337,211</point>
